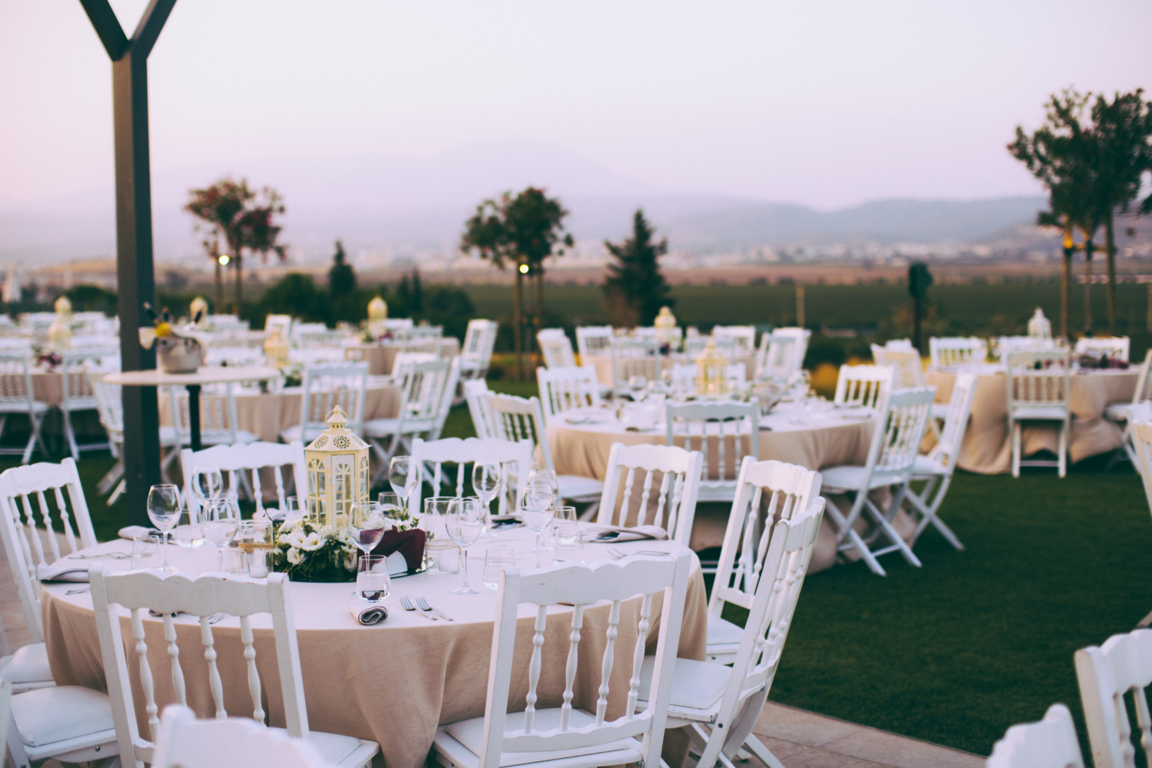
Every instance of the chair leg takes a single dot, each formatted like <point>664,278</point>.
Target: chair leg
<point>893,535</point>
<point>70,435</point>
<point>111,477</point>
<point>1015,449</point>
<point>1063,464</point>
<point>756,747</point>
<point>120,487</point>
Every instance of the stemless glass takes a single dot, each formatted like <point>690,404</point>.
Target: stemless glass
<point>465,524</point>
<point>219,520</point>
<point>488,482</point>
<point>402,477</point>
<point>638,386</point>
<point>164,512</point>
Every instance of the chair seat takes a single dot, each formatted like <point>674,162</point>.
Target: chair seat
<point>28,666</point>
<point>79,404</point>
<point>469,734</point>
<point>1118,411</point>
<point>389,427</point>
<point>717,490</point>
<point>940,410</point>
<point>851,478</point>
<point>168,437</point>
<point>926,466</point>
<point>1039,413</point>
<point>343,751</point>
<point>579,487</point>
<point>215,438</point>
<point>723,636</point>
<point>21,406</point>
<point>697,687</point>
<point>51,715</point>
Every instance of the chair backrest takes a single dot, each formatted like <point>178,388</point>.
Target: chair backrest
<point>900,429</point>
<point>1049,743</point>
<point>867,385</point>
<point>1039,378</point>
<point>520,418</point>
<point>956,352</point>
<point>563,389</point>
<point>1140,432</point>
<point>627,365</point>
<point>431,456</point>
<point>185,742</point>
<point>326,386</point>
<point>956,421</point>
<point>1107,674</point>
<point>75,366</point>
<point>1143,381</point>
<point>236,461</point>
<point>16,380</point>
<point>556,348</point>
<point>217,413</point>
<point>322,340</point>
<point>403,361</point>
<point>425,388</point>
<point>628,588</point>
<point>141,592</point>
<point>1115,347</point>
<point>683,377</point>
<point>479,341</point>
<point>476,395</point>
<point>907,368</point>
<point>776,357</point>
<point>110,408</point>
<point>675,473</point>
<point>723,432</point>
<point>741,337</point>
<point>766,493</point>
<point>282,323</point>
<point>1008,345</point>
<point>24,502</point>
<point>594,340</point>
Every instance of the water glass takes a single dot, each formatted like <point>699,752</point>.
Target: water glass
<point>145,553</point>
<point>292,509</point>
<point>220,521</point>
<point>569,544</point>
<point>164,507</point>
<point>254,540</point>
<point>487,481</point>
<point>564,513</point>
<point>391,506</point>
<point>465,523</point>
<point>496,558</point>
<point>372,580</point>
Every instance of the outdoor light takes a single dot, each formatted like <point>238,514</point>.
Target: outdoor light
<point>523,269</point>
<point>224,259</point>
<point>337,464</point>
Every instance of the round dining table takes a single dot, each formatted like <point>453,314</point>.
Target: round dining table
<point>393,682</point>
<point>381,355</point>
<point>987,446</point>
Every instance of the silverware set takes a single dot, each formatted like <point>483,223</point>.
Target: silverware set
<point>424,608</point>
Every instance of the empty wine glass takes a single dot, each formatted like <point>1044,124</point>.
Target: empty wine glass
<point>465,523</point>
<point>207,484</point>
<point>537,511</point>
<point>546,477</point>
<point>391,508</point>
<point>488,482</point>
<point>402,477</point>
<point>164,512</point>
<point>638,386</point>
<point>220,519</point>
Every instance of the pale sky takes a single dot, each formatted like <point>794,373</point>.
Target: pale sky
<point>822,102</point>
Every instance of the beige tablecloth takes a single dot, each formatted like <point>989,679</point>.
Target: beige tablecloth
<point>603,365</point>
<point>789,433</point>
<point>380,356</point>
<point>987,446</point>
<point>393,683</point>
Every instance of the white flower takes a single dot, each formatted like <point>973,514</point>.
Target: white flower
<point>312,542</point>
<point>294,556</point>
<point>295,539</point>
<point>349,561</point>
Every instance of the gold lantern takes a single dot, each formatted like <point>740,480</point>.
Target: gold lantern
<point>711,372</point>
<point>377,316</point>
<point>276,349</point>
<point>337,464</point>
<point>665,324</point>
<point>60,332</point>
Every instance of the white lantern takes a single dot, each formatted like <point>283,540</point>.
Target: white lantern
<point>337,464</point>
<point>60,332</point>
<point>1039,327</point>
<point>711,373</point>
<point>276,351</point>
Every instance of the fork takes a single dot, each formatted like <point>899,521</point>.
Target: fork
<point>618,554</point>
<point>424,606</point>
<point>112,555</point>
<point>406,604</point>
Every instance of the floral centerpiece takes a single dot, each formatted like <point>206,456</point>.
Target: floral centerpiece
<point>321,553</point>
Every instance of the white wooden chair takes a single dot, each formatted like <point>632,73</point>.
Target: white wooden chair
<point>670,474</point>
<point>1006,346</point>
<point>683,376</point>
<point>740,338</point>
<point>425,399</point>
<point>907,370</point>
<point>476,352</point>
<point>951,352</point>
<point>282,323</point>
<point>18,397</point>
<point>634,357</point>
<point>556,348</point>
<point>431,456</point>
<point>219,424</point>
<point>1119,412</point>
<point>781,354</point>
<point>766,492</point>
<point>517,418</point>
<point>1039,389</point>
<point>77,394</point>
<point>721,704</point>
<point>403,362</point>
<point>476,396</point>
<point>1115,347</point>
<point>325,387</point>
<point>138,592</point>
<point>564,389</point>
<point>568,736</point>
<point>594,340</point>
<point>185,742</point>
<point>1106,675</point>
<point>242,464</point>
<point>863,385</point>
<point>110,408</point>
<point>235,355</point>
<point>1049,743</point>
<point>724,433</point>
<point>896,439</point>
<point>936,469</point>
<point>1140,433</point>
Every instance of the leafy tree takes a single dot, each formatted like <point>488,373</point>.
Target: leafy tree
<point>411,293</point>
<point>242,218</point>
<point>523,230</point>
<point>634,287</point>
<point>295,294</point>
<point>341,277</point>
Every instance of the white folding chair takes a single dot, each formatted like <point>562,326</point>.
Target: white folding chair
<point>425,398</point>
<point>1039,389</point>
<point>594,340</point>
<point>863,385</point>
<point>1106,675</point>
<point>741,339</point>
<point>77,392</point>
<point>766,492</point>
<point>567,388</point>
<point>1119,412</point>
<point>476,395</point>
<point>952,352</point>
<point>110,408</point>
<point>1049,743</point>
<point>907,370</point>
<point>139,592</point>
<point>242,464</point>
<point>936,469</point>
<point>281,323</point>
<point>1115,347</point>
<point>185,742</point>
<point>218,419</point>
<point>517,418</point>
<point>17,396</point>
<point>325,387</point>
<point>431,456</point>
<point>721,704</point>
<point>620,595</point>
<point>724,433</point>
<point>634,357</point>
<point>476,351</point>
<point>896,437</point>
<point>1006,346</point>
<point>775,359</point>
<point>556,348</point>
<point>671,474</point>
<point>1140,433</point>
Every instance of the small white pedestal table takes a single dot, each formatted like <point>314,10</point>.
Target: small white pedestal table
<point>192,382</point>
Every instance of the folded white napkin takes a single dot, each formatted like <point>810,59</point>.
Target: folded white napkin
<point>370,614</point>
<point>612,533</point>
<point>63,570</point>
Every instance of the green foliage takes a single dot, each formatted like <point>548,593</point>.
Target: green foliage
<point>634,287</point>
<point>341,277</point>
<point>295,294</point>
<point>526,227</point>
<point>411,292</point>
<point>919,279</point>
<point>233,211</point>
<point>93,298</point>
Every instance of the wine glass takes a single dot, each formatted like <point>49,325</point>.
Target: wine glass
<point>391,508</point>
<point>207,484</point>
<point>638,386</point>
<point>220,519</point>
<point>365,526</point>
<point>537,511</point>
<point>488,482</point>
<point>401,476</point>
<point>164,512</point>
<point>546,477</point>
<point>465,523</point>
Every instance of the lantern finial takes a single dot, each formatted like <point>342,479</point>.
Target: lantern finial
<point>337,419</point>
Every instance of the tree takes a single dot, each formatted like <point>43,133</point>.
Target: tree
<point>341,276</point>
<point>523,230</point>
<point>243,219</point>
<point>919,281</point>
<point>634,287</point>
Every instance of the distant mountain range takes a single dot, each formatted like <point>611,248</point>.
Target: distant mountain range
<point>401,204</point>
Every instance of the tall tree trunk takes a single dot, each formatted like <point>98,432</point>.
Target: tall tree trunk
<point>517,294</point>
<point>1087,286</point>
<point>1110,245</point>
<point>219,305</point>
<point>239,282</point>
